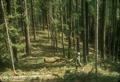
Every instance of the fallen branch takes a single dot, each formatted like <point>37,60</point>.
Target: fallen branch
<point>56,59</point>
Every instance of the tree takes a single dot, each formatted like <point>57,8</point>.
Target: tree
<point>70,27</point>
<point>97,24</point>
<point>85,31</point>
<point>7,34</point>
<point>27,35</point>
<point>32,18</point>
<point>62,28</point>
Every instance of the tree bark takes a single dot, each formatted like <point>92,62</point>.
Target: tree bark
<point>97,25</point>
<point>32,19</point>
<point>70,28</point>
<point>8,36</point>
<point>27,35</point>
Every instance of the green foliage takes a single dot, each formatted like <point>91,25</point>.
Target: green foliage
<point>4,56</point>
<point>14,32</point>
<point>4,49</point>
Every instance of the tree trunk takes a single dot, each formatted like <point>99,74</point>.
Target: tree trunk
<point>70,28</point>
<point>62,36</point>
<point>102,28</point>
<point>85,32</point>
<point>27,36</point>
<point>8,36</point>
<point>96,55</point>
<point>32,19</point>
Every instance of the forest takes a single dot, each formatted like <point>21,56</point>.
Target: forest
<point>60,40</point>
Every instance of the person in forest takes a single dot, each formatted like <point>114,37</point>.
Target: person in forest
<point>78,64</point>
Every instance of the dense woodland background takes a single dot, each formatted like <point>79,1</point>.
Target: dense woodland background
<point>76,33</point>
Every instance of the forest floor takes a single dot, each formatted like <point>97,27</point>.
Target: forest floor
<point>34,65</point>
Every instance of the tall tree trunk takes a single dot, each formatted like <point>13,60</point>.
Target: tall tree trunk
<point>8,36</point>
<point>14,39</point>
<point>70,27</point>
<point>85,38</point>
<point>97,25</point>
<point>102,27</point>
<point>62,35</point>
<point>32,18</point>
<point>77,27</point>
<point>27,36</point>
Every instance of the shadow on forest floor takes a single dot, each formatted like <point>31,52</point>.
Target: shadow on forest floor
<point>31,67</point>
<point>42,47</point>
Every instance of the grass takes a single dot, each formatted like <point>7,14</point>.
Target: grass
<point>81,76</point>
<point>69,74</point>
